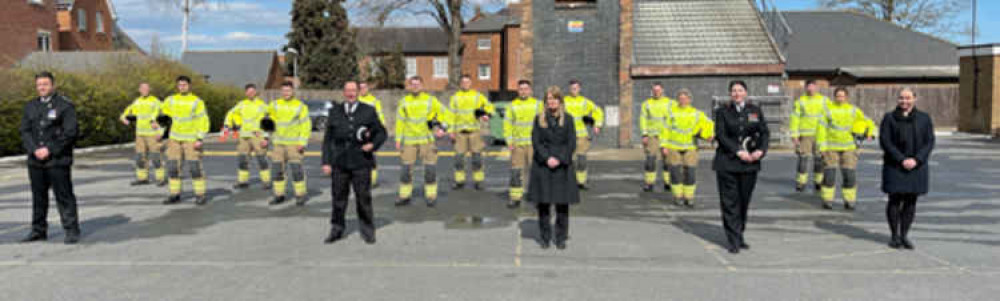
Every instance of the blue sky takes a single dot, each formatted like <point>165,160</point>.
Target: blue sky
<point>262,24</point>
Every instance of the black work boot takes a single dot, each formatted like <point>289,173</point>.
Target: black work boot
<point>139,183</point>
<point>174,199</point>
<point>277,200</point>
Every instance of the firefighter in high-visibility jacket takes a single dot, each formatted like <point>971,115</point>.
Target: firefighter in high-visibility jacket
<point>652,121</point>
<point>366,97</point>
<point>188,126</point>
<point>472,109</point>
<point>585,114</point>
<point>517,125</point>
<point>802,124</point>
<point>420,118</point>
<point>292,128</point>
<point>143,112</point>
<point>245,118</point>
<point>836,136</point>
<point>683,127</point>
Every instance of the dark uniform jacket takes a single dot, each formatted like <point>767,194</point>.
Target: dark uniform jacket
<point>906,137</point>
<point>53,125</point>
<point>736,131</point>
<point>558,185</point>
<point>341,147</point>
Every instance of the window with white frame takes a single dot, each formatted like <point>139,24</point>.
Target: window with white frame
<point>411,67</point>
<point>81,19</point>
<point>44,41</point>
<point>99,22</point>
<point>440,67</point>
<point>483,44</point>
<point>484,72</point>
<point>36,2</point>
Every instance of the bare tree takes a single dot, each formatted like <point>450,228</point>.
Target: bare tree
<point>931,16</point>
<point>447,14</point>
<point>186,6</point>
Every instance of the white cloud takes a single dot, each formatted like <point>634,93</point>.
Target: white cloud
<point>246,36</point>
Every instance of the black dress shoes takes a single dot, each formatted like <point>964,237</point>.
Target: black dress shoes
<point>544,244</point>
<point>34,236</point>
<point>72,237</point>
<point>907,244</point>
<point>561,245</point>
<point>369,240</point>
<point>744,246</point>
<point>734,250</point>
<point>334,237</point>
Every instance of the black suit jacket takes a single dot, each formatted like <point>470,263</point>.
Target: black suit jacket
<point>731,128</point>
<point>52,125</point>
<point>341,148</point>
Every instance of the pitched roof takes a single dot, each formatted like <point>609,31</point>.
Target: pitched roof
<point>412,40</point>
<point>81,61</point>
<point>237,67</point>
<point>700,32</point>
<point>876,72</point>
<point>492,22</point>
<point>824,41</point>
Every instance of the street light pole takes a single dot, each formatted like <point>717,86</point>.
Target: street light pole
<point>295,67</point>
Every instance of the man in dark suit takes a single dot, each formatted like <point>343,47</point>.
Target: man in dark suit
<point>48,134</point>
<point>743,136</point>
<point>353,134</point>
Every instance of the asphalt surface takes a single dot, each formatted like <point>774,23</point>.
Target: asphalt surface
<point>625,244</point>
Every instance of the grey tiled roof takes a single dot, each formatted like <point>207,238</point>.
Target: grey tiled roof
<point>235,68</point>
<point>874,72</point>
<point>700,32</point>
<point>827,40</point>
<point>413,40</point>
<point>491,23</point>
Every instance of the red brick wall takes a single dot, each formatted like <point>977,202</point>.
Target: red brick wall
<point>472,57</point>
<point>70,36</point>
<point>20,23</point>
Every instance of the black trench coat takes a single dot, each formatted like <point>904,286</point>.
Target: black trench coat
<point>899,142</point>
<point>558,185</point>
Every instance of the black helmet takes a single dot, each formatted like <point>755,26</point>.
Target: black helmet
<point>267,124</point>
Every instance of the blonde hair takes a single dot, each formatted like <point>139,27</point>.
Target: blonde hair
<point>554,92</point>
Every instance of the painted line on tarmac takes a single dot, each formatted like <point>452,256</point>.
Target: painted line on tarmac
<point>471,265</point>
<point>379,154</point>
<point>520,243</point>
<point>827,257</point>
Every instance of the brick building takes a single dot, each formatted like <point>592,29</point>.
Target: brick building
<point>27,26</point>
<point>58,25</point>
<point>425,52</point>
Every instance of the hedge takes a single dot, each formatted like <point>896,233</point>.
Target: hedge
<point>101,96</point>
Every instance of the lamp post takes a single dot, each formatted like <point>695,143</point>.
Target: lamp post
<point>295,66</point>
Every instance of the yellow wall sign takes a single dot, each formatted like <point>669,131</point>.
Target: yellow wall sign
<point>574,26</point>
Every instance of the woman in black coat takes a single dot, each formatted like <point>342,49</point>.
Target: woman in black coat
<point>907,138</point>
<point>743,137</point>
<point>553,179</point>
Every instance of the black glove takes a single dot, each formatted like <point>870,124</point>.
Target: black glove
<point>130,118</point>
<point>589,121</point>
<point>433,124</point>
<point>480,113</point>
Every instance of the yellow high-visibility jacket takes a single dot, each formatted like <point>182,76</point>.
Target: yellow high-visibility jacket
<point>683,125</point>
<point>412,115</point>
<point>189,119</point>
<point>370,100</point>
<point>805,117</point>
<point>247,115</point>
<point>653,117</point>
<point>840,124</point>
<point>464,104</point>
<point>145,110</point>
<point>580,106</point>
<point>520,119</point>
<point>292,125</point>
